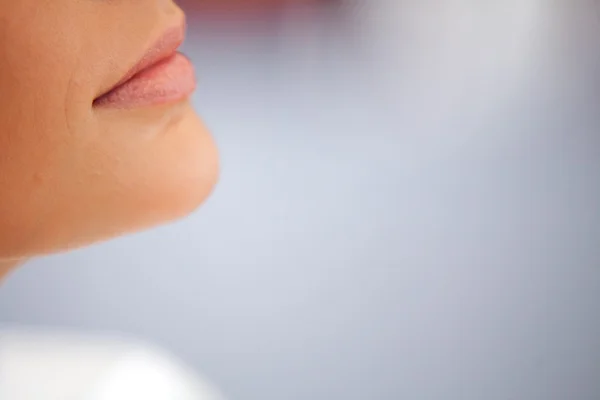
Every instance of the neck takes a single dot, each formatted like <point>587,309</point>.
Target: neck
<point>6,266</point>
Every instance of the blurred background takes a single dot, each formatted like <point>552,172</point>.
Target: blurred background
<point>409,208</point>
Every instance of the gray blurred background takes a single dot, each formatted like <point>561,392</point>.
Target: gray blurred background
<point>409,208</point>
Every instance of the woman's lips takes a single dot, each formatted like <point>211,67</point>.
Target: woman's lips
<point>167,81</point>
<point>161,76</point>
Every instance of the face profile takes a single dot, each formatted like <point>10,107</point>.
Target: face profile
<point>97,134</point>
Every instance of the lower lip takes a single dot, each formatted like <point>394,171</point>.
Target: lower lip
<point>168,81</point>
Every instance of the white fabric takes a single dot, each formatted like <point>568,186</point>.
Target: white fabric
<point>61,366</point>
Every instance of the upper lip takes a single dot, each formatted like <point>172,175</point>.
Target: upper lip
<point>163,48</point>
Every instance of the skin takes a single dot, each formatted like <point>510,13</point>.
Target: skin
<point>73,174</point>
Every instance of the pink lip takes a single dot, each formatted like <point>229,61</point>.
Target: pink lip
<point>162,75</point>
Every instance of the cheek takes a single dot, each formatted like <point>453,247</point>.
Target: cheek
<point>36,76</point>
<point>35,135</point>
<point>34,142</point>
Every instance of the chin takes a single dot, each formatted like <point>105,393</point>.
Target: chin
<point>169,179</point>
<point>142,180</point>
<point>188,175</point>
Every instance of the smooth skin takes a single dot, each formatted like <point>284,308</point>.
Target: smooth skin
<point>72,174</point>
